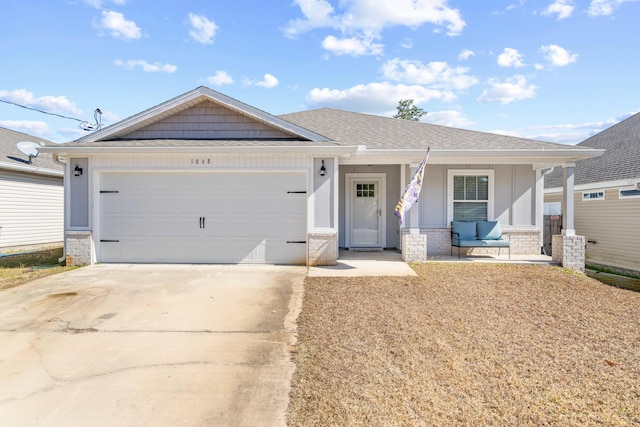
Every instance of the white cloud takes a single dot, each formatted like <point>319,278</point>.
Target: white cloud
<point>352,46</point>
<point>465,54</point>
<point>511,89</point>
<point>407,43</point>
<point>267,82</point>
<point>220,78</point>
<point>562,8</point>
<point>604,7</point>
<point>558,56</point>
<point>51,104</point>
<point>510,58</point>
<point>37,128</point>
<point>375,98</point>
<point>437,74</point>
<point>146,67</point>
<point>202,29</point>
<point>372,16</point>
<point>451,118</point>
<point>119,27</point>
<point>98,3</point>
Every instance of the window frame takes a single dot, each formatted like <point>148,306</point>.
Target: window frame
<point>624,197</point>
<point>489,173</point>
<point>585,199</point>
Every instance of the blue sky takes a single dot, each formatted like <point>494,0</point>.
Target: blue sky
<point>555,70</point>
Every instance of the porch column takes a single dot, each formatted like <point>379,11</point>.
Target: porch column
<point>414,243</point>
<point>568,249</point>
<point>567,200</point>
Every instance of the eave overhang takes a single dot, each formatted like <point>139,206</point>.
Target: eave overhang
<point>31,169</point>
<point>92,150</point>
<point>540,159</point>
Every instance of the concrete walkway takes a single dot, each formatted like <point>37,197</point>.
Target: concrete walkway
<point>155,345</point>
<point>355,263</point>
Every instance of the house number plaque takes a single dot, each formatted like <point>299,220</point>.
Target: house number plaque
<point>200,161</point>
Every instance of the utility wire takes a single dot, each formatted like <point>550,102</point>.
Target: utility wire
<point>85,125</point>
<point>40,111</point>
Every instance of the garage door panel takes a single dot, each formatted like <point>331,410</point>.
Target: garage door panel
<point>250,218</point>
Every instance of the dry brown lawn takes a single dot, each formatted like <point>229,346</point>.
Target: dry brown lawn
<point>465,344</point>
<point>17,270</point>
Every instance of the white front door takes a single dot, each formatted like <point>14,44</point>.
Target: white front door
<point>365,216</point>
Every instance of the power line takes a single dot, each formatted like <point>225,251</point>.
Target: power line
<point>84,125</point>
<point>40,111</point>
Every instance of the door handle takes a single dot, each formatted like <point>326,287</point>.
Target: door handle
<point>203,223</point>
<point>200,222</point>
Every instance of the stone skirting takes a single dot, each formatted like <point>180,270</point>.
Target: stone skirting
<point>418,245</point>
<point>569,251</point>
<point>414,245</point>
<point>78,247</point>
<point>322,246</point>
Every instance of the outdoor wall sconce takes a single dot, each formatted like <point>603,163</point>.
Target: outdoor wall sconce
<point>77,171</point>
<point>323,170</point>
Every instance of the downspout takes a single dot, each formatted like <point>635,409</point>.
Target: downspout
<point>56,159</point>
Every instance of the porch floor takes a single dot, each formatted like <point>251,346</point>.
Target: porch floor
<point>389,263</point>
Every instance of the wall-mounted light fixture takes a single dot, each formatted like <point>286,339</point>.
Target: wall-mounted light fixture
<point>77,171</point>
<point>323,170</point>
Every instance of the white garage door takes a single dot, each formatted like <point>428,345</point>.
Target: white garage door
<point>203,218</point>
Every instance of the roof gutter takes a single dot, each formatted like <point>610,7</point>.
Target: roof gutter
<point>544,156</point>
<point>31,169</point>
<point>338,150</point>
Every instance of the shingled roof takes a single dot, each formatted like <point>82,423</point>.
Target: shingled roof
<point>377,132</point>
<point>9,152</point>
<point>620,161</point>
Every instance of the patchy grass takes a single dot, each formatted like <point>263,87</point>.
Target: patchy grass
<point>467,344</point>
<point>16,270</point>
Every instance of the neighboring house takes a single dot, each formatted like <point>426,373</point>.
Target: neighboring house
<point>204,178</point>
<point>607,197</point>
<point>31,195</point>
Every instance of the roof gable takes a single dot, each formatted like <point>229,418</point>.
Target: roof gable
<point>202,114</point>
<point>620,161</point>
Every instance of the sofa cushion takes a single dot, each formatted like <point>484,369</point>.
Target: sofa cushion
<point>489,230</point>
<point>466,229</point>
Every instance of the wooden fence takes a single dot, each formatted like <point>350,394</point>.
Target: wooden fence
<point>552,225</point>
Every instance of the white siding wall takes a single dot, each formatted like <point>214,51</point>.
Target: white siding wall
<point>195,161</point>
<point>31,210</point>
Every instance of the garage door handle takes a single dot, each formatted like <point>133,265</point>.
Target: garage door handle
<point>296,241</point>
<point>203,223</point>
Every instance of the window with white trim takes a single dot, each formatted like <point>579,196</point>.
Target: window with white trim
<point>592,195</point>
<point>629,193</point>
<point>470,195</point>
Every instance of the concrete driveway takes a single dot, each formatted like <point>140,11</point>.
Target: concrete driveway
<point>174,345</point>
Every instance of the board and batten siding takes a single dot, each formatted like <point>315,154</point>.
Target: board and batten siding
<point>514,194</point>
<point>31,210</point>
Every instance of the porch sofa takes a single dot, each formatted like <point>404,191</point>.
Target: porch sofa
<point>478,234</point>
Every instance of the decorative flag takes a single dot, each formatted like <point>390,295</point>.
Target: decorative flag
<point>412,192</point>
